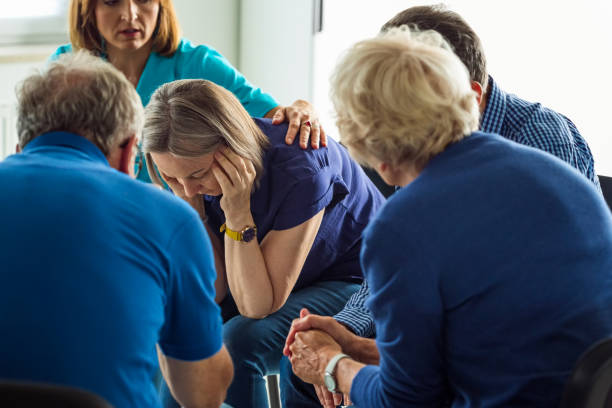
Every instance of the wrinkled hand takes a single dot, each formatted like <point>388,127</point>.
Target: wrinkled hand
<point>310,352</point>
<point>235,175</point>
<point>329,325</point>
<point>298,114</point>
<point>329,399</point>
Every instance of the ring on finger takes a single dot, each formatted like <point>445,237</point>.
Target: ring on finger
<point>307,123</point>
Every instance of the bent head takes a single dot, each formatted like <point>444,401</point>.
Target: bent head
<point>186,122</point>
<point>401,98</point>
<point>82,94</point>
<point>97,25</point>
<point>454,29</point>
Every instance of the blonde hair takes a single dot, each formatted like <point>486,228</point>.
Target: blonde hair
<point>83,94</point>
<point>84,33</point>
<point>402,97</point>
<point>192,117</point>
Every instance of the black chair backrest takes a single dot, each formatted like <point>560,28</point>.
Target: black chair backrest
<point>29,395</point>
<point>383,187</point>
<point>606,188</point>
<point>590,385</point>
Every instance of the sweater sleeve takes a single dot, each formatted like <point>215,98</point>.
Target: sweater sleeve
<point>407,307</point>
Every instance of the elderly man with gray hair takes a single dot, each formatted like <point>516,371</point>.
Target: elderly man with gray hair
<point>490,270</point>
<point>98,269</point>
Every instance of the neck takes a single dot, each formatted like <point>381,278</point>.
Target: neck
<point>130,62</point>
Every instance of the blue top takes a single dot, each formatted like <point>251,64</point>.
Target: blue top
<point>96,269</point>
<point>524,122</point>
<point>295,186</point>
<point>195,62</point>
<point>489,300</point>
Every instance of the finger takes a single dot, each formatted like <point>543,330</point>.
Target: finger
<point>222,179</point>
<point>292,130</point>
<point>328,399</point>
<point>279,116</point>
<point>231,169</point>
<point>320,395</point>
<point>323,136</point>
<point>289,341</point>
<point>347,400</point>
<point>315,134</point>
<point>337,399</point>
<point>304,135</point>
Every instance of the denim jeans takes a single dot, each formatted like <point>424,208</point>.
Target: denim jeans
<point>294,392</point>
<point>256,345</point>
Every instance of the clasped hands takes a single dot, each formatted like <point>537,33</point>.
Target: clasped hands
<point>312,341</point>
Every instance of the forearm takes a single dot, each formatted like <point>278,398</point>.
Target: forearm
<point>247,275</point>
<point>346,370</point>
<point>363,350</point>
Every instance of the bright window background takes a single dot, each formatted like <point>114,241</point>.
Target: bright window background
<point>33,21</point>
<point>558,53</point>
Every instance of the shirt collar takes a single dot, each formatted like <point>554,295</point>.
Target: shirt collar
<point>67,140</point>
<point>495,111</point>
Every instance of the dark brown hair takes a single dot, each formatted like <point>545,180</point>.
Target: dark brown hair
<point>466,44</point>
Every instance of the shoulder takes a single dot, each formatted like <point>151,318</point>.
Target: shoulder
<point>526,117</point>
<point>189,52</point>
<point>292,160</point>
<point>62,49</point>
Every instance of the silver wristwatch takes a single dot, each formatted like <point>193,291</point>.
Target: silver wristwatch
<point>330,380</point>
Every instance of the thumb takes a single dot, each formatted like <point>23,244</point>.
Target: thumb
<point>304,312</point>
<point>279,116</point>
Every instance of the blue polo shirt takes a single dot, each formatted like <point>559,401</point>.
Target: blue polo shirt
<point>96,269</point>
<point>295,186</point>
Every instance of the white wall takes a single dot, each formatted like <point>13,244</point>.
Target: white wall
<point>276,47</point>
<point>557,52</point>
<point>211,22</point>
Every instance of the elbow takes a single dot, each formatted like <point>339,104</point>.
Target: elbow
<point>212,398</point>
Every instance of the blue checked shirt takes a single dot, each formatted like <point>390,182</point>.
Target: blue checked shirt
<point>523,122</point>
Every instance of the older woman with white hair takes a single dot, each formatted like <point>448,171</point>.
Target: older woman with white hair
<point>285,223</point>
<point>490,270</point>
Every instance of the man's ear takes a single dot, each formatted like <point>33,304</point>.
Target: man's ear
<point>477,87</point>
<point>127,156</point>
<point>17,148</point>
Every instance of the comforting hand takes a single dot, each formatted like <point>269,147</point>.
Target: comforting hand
<point>310,352</point>
<point>235,175</point>
<point>302,118</point>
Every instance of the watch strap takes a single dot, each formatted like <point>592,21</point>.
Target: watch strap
<point>235,235</point>
<point>246,235</point>
<point>331,367</point>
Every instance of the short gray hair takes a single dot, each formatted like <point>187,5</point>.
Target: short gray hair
<point>192,117</point>
<point>402,97</point>
<point>82,94</point>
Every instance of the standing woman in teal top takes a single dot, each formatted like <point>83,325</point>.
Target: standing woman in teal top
<point>141,39</point>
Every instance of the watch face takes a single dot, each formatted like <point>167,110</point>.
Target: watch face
<point>330,382</point>
<point>248,234</point>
